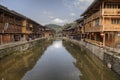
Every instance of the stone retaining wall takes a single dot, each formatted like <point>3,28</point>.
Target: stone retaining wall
<point>10,48</point>
<point>110,59</point>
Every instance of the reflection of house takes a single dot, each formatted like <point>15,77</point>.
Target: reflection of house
<point>89,65</point>
<point>20,64</point>
<point>59,34</point>
<point>102,23</point>
<point>16,27</point>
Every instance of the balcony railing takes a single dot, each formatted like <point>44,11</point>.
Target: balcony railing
<point>93,16</point>
<point>94,29</point>
<point>111,11</point>
<point>101,28</point>
<point>97,14</point>
<point>112,27</point>
<point>1,19</point>
<point>13,29</point>
<point>1,27</point>
<point>88,19</point>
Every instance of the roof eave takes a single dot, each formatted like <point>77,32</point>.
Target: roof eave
<point>94,2</point>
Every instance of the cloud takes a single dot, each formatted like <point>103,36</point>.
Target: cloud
<point>82,4</point>
<point>72,14</point>
<point>77,4</point>
<point>59,21</point>
<point>46,12</point>
<point>51,17</point>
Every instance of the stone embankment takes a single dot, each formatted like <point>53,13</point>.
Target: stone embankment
<point>10,48</point>
<point>111,59</point>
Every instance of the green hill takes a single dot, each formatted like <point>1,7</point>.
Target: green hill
<point>54,26</point>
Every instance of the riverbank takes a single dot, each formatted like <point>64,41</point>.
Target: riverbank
<point>21,46</point>
<point>111,59</point>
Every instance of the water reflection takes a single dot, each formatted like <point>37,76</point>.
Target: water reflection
<point>15,66</point>
<point>57,44</point>
<point>91,67</point>
<point>54,62</point>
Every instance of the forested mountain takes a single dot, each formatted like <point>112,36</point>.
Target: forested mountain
<point>54,26</point>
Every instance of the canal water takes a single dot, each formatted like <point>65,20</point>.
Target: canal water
<point>59,60</point>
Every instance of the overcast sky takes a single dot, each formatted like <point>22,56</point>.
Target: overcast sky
<point>49,11</point>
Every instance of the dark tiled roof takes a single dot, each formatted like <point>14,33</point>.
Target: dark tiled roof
<point>94,2</point>
<point>17,14</point>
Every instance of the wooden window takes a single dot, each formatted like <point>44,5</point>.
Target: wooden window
<point>112,5</point>
<point>1,17</point>
<point>97,21</point>
<point>119,6</point>
<point>115,21</point>
<point>11,20</point>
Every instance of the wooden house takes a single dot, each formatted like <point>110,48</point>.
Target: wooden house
<point>10,25</point>
<point>67,32</point>
<point>102,23</point>
<point>16,27</point>
<point>71,32</point>
<point>48,32</point>
<point>38,30</point>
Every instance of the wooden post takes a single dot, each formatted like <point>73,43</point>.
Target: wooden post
<point>104,40</point>
<point>1,39</point>
<point>95,38</point>
<point>102,15</point>
<point>103,3</point>
<point>113,38</point>
<point>3,29</point>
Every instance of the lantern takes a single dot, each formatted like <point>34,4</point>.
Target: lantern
<point>92,34</point>
<point>102,34</point>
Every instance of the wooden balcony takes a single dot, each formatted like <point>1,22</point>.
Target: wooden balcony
<point>13,29</point>
<point>11,20</point>
<point>1,27</point>
<point>101,28</point>
<point>111,27</point>
<point>97,15</point>
<point>93,16</point>
<point>94,29</point>
<point>88,19</point>
<point>1,19</point>
<point>19,23</point>
<point>29,32</point>
<point>111,12</point>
